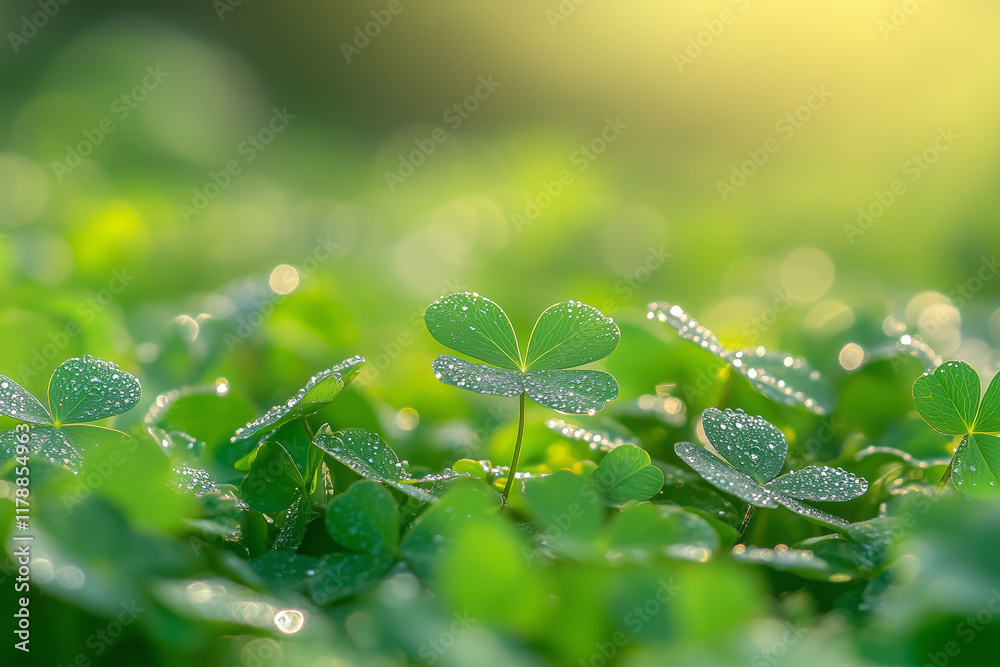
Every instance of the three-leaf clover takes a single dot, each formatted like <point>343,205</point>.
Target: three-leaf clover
<point>948,400</point>
<point>81,390</point>
<point>753,452</point>
<point>566,335</point>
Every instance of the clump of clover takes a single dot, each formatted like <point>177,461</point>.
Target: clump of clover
<point>566,335</point>
<point>753,452</point>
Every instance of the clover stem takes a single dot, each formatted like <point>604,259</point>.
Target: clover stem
<point>309,431</point>
<point>947,473</point>
<point>746,521</point>
<point>517,452</point>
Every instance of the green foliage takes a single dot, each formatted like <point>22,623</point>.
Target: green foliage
<point>81,390</point>
<point>948,400</point>
<point>754,453</point>
<point>566,335</point>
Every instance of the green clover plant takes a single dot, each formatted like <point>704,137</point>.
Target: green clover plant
<point>566,335</point>
<point>948,400</point>
<point>753,452</point>
<point>81,390</point>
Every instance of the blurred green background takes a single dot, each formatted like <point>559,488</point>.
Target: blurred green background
<point>256,190</point>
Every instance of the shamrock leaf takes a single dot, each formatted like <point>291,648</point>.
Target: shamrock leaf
<point>565,335</point>
<point>319,392</point>
<point>752,454</point>
<point>82,389</point>
<point>782,378</point>
<point>626,474</point>
<point>371,457</point>
<point>364,518</point>
<point>948,400</point>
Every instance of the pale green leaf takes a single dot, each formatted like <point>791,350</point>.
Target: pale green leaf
<point>85,389</point>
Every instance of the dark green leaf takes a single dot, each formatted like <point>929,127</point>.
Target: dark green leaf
<point>751,444</point>
<point>570,334</point>
<point>820,483</point>
<point>364,518</point>
<point>371,457</point>
<point>476,326</point>
<point>296,521</point>
<point>576,391</point>
<point>85,389</point>
<point>626,474</point>
<point>285,570</point>
<point>340,575</point>
<point>274,483</point>
<point>723,476</point>
<point>17,402</point>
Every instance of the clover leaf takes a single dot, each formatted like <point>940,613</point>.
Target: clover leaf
<point>948,400</point>
<point>780,377</point>
<point>752,454</point>
<point>82,389</point>
<point>566,335</point>
<point>626,474</point>
<point>318,392</point>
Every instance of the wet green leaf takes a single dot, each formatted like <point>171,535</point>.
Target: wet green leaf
<point>626,474</point>
<point>751,444</point>
<point>575,391</point>
<point>364,518</point>
<point>480,378</point>
<point>86,389</point>
<point>19,403</point>
<point>647,530</point>
<point>476,326</point>
<point>371,457</point>
<point>318,392</point>
<point>820,483</point>
<point>570,334</point>
<point>723,476</point>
